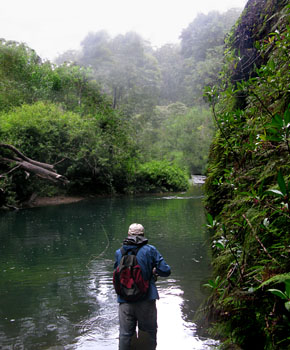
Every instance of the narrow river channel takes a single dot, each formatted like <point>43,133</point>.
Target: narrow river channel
<point>56,271</point>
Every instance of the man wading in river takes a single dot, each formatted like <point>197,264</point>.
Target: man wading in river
<point>135,307</point>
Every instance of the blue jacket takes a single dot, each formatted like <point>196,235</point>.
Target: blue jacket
<point>148,257</point>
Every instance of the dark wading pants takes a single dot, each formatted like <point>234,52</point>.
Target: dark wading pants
<point>144,314</point>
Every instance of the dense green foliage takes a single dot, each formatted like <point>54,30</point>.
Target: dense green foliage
<point>26,79</point>
<point>248,182</point>
<point>117,116</point>
<point>58,115</point>
<point>179,134</point>
<point>94,153</point>
<point>160,176</point>
<point>160,90</point>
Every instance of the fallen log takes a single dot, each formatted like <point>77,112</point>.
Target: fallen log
<point>24,157</point>
<point>40,169</point>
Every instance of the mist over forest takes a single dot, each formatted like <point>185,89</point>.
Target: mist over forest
<point>160,90</point>
<point>116,116</point>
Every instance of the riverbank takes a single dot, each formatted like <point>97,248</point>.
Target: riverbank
<point>195,180</point>
<point>56,200</point>
<point>35,201</point>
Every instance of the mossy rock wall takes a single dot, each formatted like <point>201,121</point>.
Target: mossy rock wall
<point>248,182</point>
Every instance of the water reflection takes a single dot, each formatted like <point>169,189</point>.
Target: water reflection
<point>56,272</point>
<point>180,197</point>
<point>100,332</point>
<point>173,331</point>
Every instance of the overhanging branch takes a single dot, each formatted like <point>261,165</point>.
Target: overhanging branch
<point>40,169</point>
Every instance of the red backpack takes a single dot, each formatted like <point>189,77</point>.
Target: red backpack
<point>127,277</point>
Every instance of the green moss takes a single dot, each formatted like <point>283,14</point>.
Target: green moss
<point>252,223</point>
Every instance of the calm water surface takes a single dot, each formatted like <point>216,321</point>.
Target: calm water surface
<point>56,272</point>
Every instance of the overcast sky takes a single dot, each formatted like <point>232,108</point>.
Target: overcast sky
<point>53,26</point>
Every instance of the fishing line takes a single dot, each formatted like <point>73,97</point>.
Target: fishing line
<point>104,251</point>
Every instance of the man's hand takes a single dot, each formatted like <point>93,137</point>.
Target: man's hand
<point>155,274</point>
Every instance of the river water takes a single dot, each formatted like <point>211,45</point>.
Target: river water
<point>56,271</point>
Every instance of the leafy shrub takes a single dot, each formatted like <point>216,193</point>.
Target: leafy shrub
<point>25,78</point>
<point>160,176</point>
<point>92,152</point>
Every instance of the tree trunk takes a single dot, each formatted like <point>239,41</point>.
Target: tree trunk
<point>43,170</point>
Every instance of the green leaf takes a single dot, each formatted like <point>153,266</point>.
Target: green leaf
<point>278,293</point>
<point>210,284</point>
<point>281,278</point>
<point>287,116</point>
<point>246,194</point>
<point>264,138</point>
<point>210,219</point>
<point>281,183</point>
<point>287,288</point>
<point>218,280</point>
<point>271,64</point>
<point>277,121</point>
<point>287,305</point>
<point>274,138</point>
<point>275,192</point>
<point>220,245</point>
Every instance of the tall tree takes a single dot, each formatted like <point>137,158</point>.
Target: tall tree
<point>206,32</point>
<point>171,66</point>
<point>126,67</point>
<point>202,46</point>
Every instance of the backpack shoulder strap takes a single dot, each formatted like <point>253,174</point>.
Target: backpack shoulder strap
<point>123,251</point>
